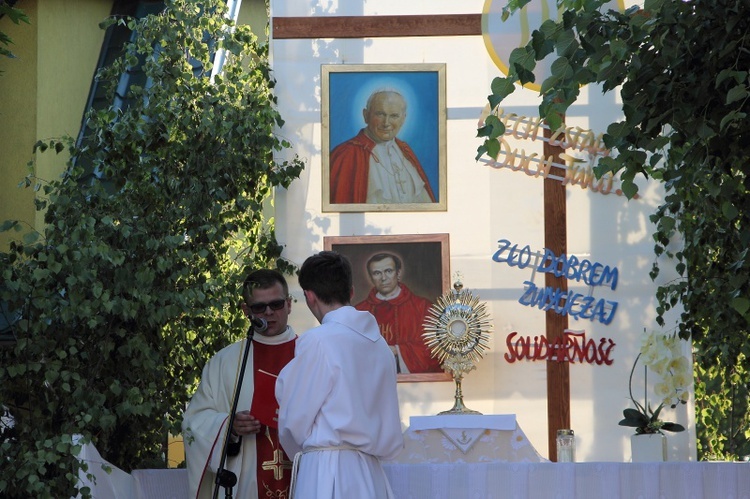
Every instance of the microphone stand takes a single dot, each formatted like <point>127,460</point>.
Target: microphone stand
<point>224,477</point>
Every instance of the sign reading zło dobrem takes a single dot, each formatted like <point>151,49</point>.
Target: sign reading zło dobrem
<point>573,346</point>
<point>563,302</point>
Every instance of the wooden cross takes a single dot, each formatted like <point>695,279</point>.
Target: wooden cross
<point>555,231</point>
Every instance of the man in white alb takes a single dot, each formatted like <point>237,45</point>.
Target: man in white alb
<point>338,405</point>
<point>375,166</point>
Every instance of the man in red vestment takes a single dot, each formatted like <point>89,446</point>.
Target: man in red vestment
<point>375,166</point>
<point>400,314</point>
<point>254,453</point>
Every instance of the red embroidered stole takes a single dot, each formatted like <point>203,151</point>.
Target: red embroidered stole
<point>274,469</point>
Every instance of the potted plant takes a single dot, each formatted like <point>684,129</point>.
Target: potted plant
<point>663,355</point>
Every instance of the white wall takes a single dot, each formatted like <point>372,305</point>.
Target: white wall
<point>484,205</point>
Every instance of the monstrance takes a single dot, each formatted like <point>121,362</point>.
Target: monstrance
<point>457,332</point>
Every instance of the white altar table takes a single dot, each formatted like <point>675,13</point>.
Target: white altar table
<point>694,480</point>
<point>683,480</point>
<point>489,456</point>
<point>499,464</point>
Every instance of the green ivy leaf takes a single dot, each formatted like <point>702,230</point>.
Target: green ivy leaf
<point>501,88</point>
<point>729,211</point>
<point>737,93</point>
<point>741,305</point>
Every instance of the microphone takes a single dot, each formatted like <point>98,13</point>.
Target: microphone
<point>258,324</point>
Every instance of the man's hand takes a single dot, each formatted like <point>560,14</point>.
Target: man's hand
<point>245,424</point>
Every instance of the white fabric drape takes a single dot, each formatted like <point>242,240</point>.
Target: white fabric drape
<point>693,480</point>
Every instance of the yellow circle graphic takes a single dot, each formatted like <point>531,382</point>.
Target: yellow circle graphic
<point>501,38</point>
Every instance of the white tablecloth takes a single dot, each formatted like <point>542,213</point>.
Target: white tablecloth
<point>693,480</point>
<point>107,481</point>
<point>466,439</point>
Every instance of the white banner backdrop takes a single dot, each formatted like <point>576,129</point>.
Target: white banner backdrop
<point>485,204</point>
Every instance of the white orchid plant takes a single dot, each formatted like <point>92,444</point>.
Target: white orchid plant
<point>662,354</point>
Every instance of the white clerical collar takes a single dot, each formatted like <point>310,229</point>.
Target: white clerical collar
<point>287,335</point>
<point>390,296</point>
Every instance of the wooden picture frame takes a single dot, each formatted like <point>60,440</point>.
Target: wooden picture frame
<point>424,272</point>
<point>411,172</point>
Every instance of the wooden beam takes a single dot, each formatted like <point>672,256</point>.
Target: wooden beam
<point>555,239</point>
<point>375,26</point>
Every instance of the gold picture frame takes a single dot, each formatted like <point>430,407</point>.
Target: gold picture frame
<point>348,151</point>
<point>424,271</point>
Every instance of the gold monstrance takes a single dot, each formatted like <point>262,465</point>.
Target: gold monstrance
<point>457,332</point>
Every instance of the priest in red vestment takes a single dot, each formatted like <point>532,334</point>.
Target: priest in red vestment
<point>400,315</point>
<point>254,453</point>
<point>375,166</point>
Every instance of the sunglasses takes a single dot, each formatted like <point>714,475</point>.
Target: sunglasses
<point>259,308</point>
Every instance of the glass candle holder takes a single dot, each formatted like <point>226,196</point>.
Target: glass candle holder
<point>566,446</point>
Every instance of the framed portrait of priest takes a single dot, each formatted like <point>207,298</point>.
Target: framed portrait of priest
<point>397,278</point>
<point>383,137</point>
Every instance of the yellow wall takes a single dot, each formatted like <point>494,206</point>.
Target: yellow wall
<point>175,451</point>
<point>44,92</point>
<point>255,14</point>
<point>18,82</point>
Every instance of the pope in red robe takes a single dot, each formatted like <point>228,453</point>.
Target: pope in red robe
<point>350,168</point>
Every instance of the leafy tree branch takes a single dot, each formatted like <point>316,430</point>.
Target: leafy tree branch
<point>134,281</point>
<point>681,70</point>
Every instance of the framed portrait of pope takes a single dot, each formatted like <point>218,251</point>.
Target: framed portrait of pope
<point>383,137</point>
<point>397,278</point>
